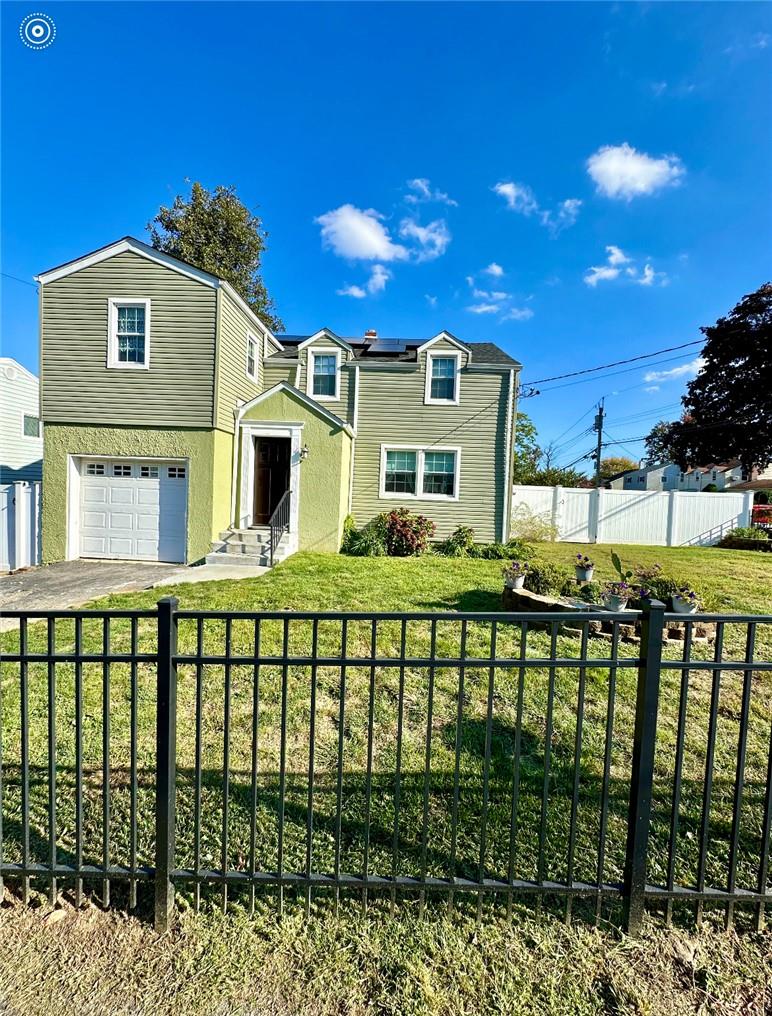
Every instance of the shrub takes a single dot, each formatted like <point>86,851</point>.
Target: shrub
<point>743,533</point>
<point>460,543</point>
<point>711,488</point>
<point>590,592</point>
<point>370,541</point>
<point>762,497</point>
<point>532,526</point>
<point>407,534</point>
<point>548,579</point>
<point>500,551</point>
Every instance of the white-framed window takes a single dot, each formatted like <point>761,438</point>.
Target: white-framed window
<point>128,340</point>
<point>429,474</point>
<point>148,472</point>
<point>95,469</point>
<point>30,426</point>
<point>442,379</point>
<point>175,472</point>
<point>121,469</point>
<point>324,374</point>
<point>252,352</point>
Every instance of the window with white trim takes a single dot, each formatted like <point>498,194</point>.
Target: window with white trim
<point>428,473</point>
<point>95,469</point>
<point>323,368</point>
<point>401,467</point>
<point>442,380</point>
<point>129,333</point>
<point>31,426</point>
<point>251,357</point>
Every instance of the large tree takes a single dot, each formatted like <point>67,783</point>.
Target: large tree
<point>658,444</point>
<point>616,464</point>
<point>216,232</point>
<point>533,465</point>
<point>729,404</point>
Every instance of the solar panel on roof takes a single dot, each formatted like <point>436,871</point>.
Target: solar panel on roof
<point>387,346</point>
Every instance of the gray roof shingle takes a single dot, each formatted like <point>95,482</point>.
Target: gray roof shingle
<point>364,349</point>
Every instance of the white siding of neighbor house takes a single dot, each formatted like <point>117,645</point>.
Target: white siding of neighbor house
<point>21,458</point>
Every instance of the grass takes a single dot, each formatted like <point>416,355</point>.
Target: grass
<point>349,966</point>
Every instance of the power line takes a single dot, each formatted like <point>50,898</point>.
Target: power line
<point>617,363</point>
<point>613,373</point>
<point>17,279</point>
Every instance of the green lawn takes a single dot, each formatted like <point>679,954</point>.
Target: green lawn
<point>448,966</point>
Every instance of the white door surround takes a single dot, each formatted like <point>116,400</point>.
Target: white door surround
<point>245,464</point>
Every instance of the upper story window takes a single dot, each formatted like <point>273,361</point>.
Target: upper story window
<point>252,348</point>
<point>442,381</point>
<point>31,426</point>
<point>324,374</point>
<point>129,334</point>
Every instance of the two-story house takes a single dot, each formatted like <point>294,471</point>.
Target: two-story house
<point>177,425</point>
<point>21,438</point>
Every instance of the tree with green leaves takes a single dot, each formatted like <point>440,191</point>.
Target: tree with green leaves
<point>657,444</point>
<point>615,464</point>
<point>729,403</point>
<point>527,452</point>
<point>216,232</point>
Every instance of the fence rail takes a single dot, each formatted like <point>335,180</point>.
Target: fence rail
<point>484,758</point>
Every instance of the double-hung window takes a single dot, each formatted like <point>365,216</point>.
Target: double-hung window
<point>129,334</point>
<point>323,374</point>
<point>428,473</point>
<point>251,357</point>
<point>442,381</point>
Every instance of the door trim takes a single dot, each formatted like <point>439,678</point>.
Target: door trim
<point>249,430</point>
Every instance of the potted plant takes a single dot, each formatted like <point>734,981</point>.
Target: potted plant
<point>514,574</point>
<point>685,601</point>
<point>616,594</point>
<point>584,568</point>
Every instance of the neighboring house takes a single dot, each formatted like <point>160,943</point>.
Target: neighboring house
<point>668,476</point>
<point>21,437</point>
<point>175,421</point>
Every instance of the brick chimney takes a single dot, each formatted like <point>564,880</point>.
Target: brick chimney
<point>371,333</point>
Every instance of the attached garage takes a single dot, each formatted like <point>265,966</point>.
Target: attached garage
<point>132,509</point>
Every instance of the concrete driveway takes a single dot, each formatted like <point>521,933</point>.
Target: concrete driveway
<point>73,583</point>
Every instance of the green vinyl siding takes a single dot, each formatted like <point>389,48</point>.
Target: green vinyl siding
<point>177,390</point>
<point>343,406</point>
<point>279,369</point>
<point>233,382</point>
<point>392,412</point>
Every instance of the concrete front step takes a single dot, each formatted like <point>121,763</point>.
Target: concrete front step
<point>246,560</point>
<point>237,549</point>
<point>248,547</point>
<point>246,536</point>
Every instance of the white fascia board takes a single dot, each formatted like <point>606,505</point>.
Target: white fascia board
<point>448,338</point>
<point>326,334</point>
<point>285,386</point>
<point>121,247</point>
<point>244,306</point>
<point>9,361</point>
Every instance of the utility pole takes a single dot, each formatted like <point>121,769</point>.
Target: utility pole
<point>598,426</point>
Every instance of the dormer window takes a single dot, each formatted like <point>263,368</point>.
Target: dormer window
<point>324,374</point>
<point>128,343</point>
<point>442,381</point>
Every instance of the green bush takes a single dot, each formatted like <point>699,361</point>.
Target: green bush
<point>763,496</point>
<point>743,533</point>
<point>548,579</point>
<point>370,541</point>
<point>460,543</point>
<point>517,550</point>
<point>590,592</point>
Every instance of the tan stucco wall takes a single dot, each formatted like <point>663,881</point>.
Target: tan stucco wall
<point>61,440</point>
<point>324,475</point>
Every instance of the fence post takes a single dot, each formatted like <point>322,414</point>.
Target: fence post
<point>166,760</point>
<point>642,777</point>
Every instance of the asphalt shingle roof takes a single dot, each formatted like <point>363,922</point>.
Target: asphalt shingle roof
<point>373,349</point>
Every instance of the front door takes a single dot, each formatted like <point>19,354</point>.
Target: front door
<point>272,473</point>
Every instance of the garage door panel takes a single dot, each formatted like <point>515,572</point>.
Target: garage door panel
<point>143,512</point>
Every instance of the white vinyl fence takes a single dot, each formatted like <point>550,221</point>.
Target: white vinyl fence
<point>19,525</point>
<point>669,519</point>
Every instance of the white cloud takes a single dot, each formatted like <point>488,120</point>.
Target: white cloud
<point>518,314</point>
<point>484,308</point>
<point>359,234</point>
<point>652,388</point>
<point>648,277</point>
<point>422,191</point>
<point>432,239</point>
<point>379,276</point>
<point>494,270</point>
<point>616,256</point>
<point>598,273</point>
<point>518,197</point>
<point>690,369</point>
<point>620,171</point>
<point>521,199</point>
<point>659,88</point>
<point>431,300</point>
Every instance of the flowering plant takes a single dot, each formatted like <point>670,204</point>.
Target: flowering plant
<point>687,596</point>
<point>583,561</point>
<point>513,569</point>
<point>622,588</point>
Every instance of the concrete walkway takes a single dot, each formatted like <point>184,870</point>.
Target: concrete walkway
<point>73,583</point>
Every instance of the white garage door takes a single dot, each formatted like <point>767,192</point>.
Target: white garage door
<point>133,510</point>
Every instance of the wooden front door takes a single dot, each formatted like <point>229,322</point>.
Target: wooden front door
<point>272,473</point>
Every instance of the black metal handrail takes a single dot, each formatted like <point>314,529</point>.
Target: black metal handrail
<point>279,523</point>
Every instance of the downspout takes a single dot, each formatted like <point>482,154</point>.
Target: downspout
<point>354,439</point>
<point>508,464</point>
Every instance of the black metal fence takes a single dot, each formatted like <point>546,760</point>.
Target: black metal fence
<point>484,759</point>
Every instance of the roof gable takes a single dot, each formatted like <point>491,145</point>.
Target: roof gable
<point>285,386</point>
